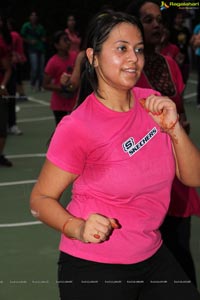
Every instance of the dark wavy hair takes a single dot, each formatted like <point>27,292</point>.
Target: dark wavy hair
<point>98,32</point>
<point>58,35</point>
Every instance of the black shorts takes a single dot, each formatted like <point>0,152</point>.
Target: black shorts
<point>3,117</point>
<point>157,278</point>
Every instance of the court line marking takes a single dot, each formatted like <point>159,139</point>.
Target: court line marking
<point>22,181</point>
<point>17,182</point>
<point>192,81</point>
<point>20,224</point>
<point>28,105</point>
<point>39,101</point>
<point>190,95</point>
<point>35,119</point>
<point>26,155</point>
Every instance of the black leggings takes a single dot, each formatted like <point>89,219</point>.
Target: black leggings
<point>157,278</point>
<point>176,234</point>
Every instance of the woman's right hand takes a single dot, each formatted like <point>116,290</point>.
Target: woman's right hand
<point>95,229</point>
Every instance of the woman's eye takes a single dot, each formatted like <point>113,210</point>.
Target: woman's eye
<point>148,20</point>
<point>121,48</point>
<point>139,50</point>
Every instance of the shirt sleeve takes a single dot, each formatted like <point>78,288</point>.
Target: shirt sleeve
<point>68,147</point>
<point>50,68</point>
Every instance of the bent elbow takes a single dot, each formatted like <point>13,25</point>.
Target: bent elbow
<point>33,203</point>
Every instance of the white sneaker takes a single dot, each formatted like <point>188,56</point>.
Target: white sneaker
<point>14,130</point>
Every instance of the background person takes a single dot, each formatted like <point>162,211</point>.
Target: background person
<point>180,36</point>
<point>5,75</point>
<point>18,58</point>
<point>63,97</point>
<point>34,36</point>
<point>73,34</point>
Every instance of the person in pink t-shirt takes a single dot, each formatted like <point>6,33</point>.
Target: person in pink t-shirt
<point>125,146</point>
<point>63,97</point>
<point>18,58</point>
<point>5,75</point>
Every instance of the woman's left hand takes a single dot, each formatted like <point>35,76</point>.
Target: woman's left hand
<point>163,110</point>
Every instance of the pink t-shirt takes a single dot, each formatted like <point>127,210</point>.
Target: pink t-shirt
<point>54,68</point>
<point>126,167</point>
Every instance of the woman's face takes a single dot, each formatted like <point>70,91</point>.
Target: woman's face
<point>33,18</point>
<point>179,19</point>
<point>151,18</point>
<point>121,60</point>
<point>63,44</point>
<point>71,22</point>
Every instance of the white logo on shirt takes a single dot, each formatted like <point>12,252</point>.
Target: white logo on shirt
<point>130,146</point>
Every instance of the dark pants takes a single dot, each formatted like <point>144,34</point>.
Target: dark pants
<point>37,61</point>
<point>176,235</point>
<point>157,278</point>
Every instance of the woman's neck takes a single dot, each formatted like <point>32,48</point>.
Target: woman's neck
<point>120,102</point>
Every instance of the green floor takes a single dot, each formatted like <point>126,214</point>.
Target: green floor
<point>29,250</point>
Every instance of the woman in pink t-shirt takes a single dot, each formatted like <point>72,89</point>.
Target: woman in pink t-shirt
<point>5,75</point>
<point>125,147</point>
